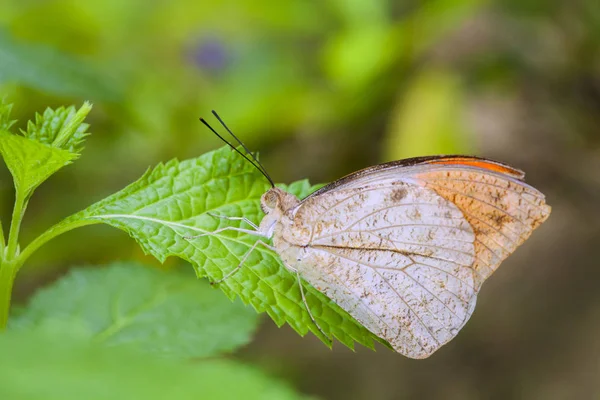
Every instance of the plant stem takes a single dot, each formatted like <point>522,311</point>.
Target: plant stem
<point>7,278</point>
<point>10,264</point>
<point>15,225</point>
<point>14,260</point>
<point>58,229</point>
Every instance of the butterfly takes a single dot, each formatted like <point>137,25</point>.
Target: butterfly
<point>404,247</point>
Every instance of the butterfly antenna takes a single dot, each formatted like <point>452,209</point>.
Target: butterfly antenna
<point>263,170</point>
<point>258,167</point>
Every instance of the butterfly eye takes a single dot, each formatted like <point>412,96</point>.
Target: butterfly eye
<point>270,199</point>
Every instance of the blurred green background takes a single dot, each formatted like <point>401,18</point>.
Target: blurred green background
<point>323,89</point>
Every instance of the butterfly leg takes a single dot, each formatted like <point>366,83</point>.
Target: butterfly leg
<point>308,308</point>
<point>243,219</point>
<point>236,269</point>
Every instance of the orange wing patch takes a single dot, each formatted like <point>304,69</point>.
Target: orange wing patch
<point>502,212</point>
<point>479,163</point>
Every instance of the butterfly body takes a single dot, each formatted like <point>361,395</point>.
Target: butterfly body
<point>404,247</point>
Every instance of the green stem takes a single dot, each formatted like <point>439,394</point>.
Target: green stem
<point>12,247</point>
<point>8,271</point>
<point>58,229</point>
<point>10,267</point>
<point>10,264</point>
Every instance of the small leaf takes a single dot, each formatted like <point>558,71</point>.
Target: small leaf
<point>62,128</point>
<point>37,365</point>
<point>52,142</point>
<point>174,200</point>
<point>31,162</point>
<point>155,311</point>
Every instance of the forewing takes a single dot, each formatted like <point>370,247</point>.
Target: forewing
<point>396,256</point>
<point>502,209</point>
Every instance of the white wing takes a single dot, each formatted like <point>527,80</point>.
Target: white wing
<point>405,250</point>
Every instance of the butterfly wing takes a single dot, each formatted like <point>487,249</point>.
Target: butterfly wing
<point>502,209</point>
<point>405,248</point>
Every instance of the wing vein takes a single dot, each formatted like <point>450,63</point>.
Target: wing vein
<point>495,230</point>
<point>342,282</point>
<point>484,202</point>
<point>446,272</point>
<point>324,248</point>
<point>423,244</point>
<point>398,226</point>
<point>397,241</point>
<point>390,207</point>
<point>431,293</point>
<point>429,331</point>
<point>394,250</point>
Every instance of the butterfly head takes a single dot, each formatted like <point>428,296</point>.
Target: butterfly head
<point>275,203</point>
<point>277,199</point>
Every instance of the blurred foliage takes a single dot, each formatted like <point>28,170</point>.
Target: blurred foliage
<point>43,365</point>
<point>167,314</point>
<point>322,89</point>
<point>46,69</point>
<point>437,128</point>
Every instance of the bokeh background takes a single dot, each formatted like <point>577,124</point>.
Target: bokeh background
<point>323,88</point>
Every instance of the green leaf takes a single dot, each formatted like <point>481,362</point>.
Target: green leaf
<point>31,162</point>
<point>155,311</point>
<point>42,366</point>
<point>174,200</point>
<point>61,128</point>
<point>52,142</point>
<point>46,69</point>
